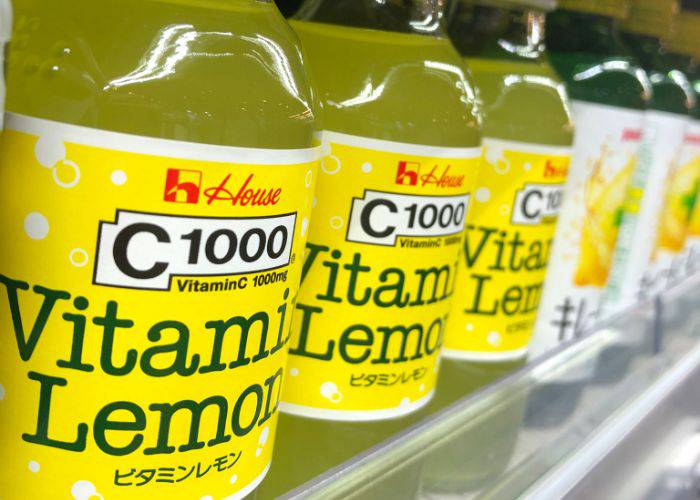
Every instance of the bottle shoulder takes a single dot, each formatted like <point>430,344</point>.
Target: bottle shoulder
<point>522,101</point>
<point>390,86</point>
<point>612,79</point>
<point>175,70</point>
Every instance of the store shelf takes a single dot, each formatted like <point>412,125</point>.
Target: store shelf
<point>576,422</point>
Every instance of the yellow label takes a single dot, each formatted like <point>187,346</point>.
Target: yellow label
<point>378,274</point>
<point>146,297</point>
<point>506,250</point>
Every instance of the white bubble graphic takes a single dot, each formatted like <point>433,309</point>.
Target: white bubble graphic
<point>405,402</point>
<point>493,155</point>
<point>304,226</point>
<point>85,490</point>
<point>118,177</point>
<point>494,338</point>
<point>367,167</point>
<point>527,167</point>
<point>2,392</point>
<point>314,203</point>
<point>421,388</point>
<point>294,372</point>
<point>264,435</point>
<point>337,222</point>
<point>49,151</point>
<point>233,479</point>
<point>36,226</point>
<point>331,165</point>
<point>206,497</point>
<point>34,466</point>
<point>331,392</point>
<point>78,257</point>
<point>76,174</point>
<point>262,441</point>
<point>496,158</point>
<point>482,194</point>
<point>469,327</point>
<point>308,180</point>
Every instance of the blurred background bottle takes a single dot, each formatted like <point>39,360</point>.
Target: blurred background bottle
<point>610,93</point>
<point>527,138</point>
<point>684,51</point>
<point>648,249</point>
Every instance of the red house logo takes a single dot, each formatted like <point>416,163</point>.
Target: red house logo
<point>407,173</point>
<point>182,186</point>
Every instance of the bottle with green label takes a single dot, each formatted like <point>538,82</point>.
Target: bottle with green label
<point>157,175</point>
<point>648,254</point>
<point>527,138</point>
<point>401,148</point>
<point>682,210</point>
<point>610,94</point>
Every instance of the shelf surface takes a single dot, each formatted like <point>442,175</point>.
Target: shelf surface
<point>553,427</point>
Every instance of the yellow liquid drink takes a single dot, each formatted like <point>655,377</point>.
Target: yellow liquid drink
<point>157,175</point>
<point>401,146</point>
<point>510,228</point>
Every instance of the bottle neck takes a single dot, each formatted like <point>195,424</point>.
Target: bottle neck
<point>405,16</point>
<point>574,31</point>
<point>648,50</point>
<point>496,32</point>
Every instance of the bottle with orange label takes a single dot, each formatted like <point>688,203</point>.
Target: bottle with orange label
<point>654,221</point>
<point>157,172</point>
<point>610,94</point>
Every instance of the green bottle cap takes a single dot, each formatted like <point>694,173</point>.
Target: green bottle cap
<point>541,5</point>
<point>618,9</point>
<point>685,34</point>
<point>651,17</point>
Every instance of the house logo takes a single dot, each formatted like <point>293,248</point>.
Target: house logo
<point>182,186</point>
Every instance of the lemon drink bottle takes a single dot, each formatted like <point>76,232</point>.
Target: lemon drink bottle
<point>610,93</point>
<point>650,242</point>
<point>527,139</point>
<point>401,148</point>
<point>158,167</point>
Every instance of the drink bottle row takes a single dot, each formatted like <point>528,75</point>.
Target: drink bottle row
<point>213,216</point>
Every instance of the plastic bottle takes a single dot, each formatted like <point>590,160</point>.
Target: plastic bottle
<point>527,139</point>
<point>158,167</point>
<point>647,258</point>
<point>610,93</point>
<point>402,129</point>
